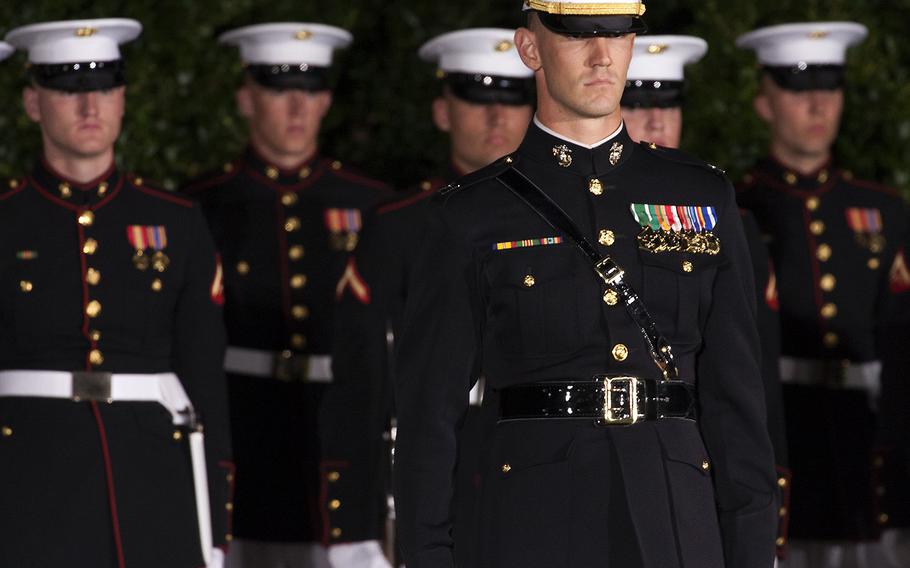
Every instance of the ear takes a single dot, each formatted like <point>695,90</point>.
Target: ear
<point>526,44</point>
<point>31,103</point>
<point>441,117</point>
<point>762,105</point>
<point>324,102</point>
<point>244,99</point>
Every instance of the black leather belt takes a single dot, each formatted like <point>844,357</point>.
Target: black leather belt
<point>611,401</point>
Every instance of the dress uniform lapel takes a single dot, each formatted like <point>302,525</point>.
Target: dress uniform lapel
<point>71,194</point>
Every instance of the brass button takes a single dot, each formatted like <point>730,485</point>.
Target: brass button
<point>782,512</point>
<point>305,172</point>
<point>138,181</point>
<point>228,507</point>
<point>706,465</point>
<point>298,341</point>
<point>90,246</point>
<point>606,237</point>
<point>13,183</point>
<point>687,266</point>
<point>288,199</point>
<point>26,286</point>
<point>65,191</point>
<point>228,537</point>
<point>620,352</point>
<point>336,165</point>
<point>817,227</point>
<point>86,218</point>
<point>830,340</point>
<point>7,431</point>
<point>595,187</point>
<point>95,357</point>
<point>611,298</point>
<point>271,172</point>
<point>292,224</point>
<point>93,308</point>
<point>829,310</point>
<point>812,203</point>
<point>823,252</point>
<point>334,505</point>
<point>781,481</point>
<point>296,252</point>
<point>95,335</point>
<point>790,178</point>
<point>873,263</point>
<point>780,541</point>
<point>298,281</point>
<point>333,476</point>
<point>93,276</point>
<point>178,435</point>
<point>506,468</point>
<point>828,282</point>
<point>823,176</point>
<point>157,285</point>
<point>300,312</point>
<point>529,281</point>
<point>883,519</point>
<point>102,189</point>
<point>336,532</point>
<point>229,477</point>
<point>426,185</point>
<point>243,268</point>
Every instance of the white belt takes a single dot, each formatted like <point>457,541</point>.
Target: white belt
<point>860,376</point>
<point>163,388</point>
<point>282,365</point>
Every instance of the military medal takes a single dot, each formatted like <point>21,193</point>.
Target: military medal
<point>141,260</point>
<point>344,228</point>
<point>866,225</point>
<point>676,228</point>
<point>143,237</point>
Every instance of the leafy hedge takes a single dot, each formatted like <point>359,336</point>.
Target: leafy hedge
<point>181,118</point>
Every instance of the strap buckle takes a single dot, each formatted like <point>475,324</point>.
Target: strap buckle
<point>92,385</point>
<point>622,396</point>
<point>609,271</point>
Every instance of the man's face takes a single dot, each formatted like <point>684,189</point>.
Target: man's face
<point>662,126</point>
<point>480,133</point>
<point>805,123</point>
<point>283,122</point>
<point>77,124</point>
<point>585,77</point>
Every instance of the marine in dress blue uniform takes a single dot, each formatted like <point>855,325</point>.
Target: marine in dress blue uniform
<point>111,340</point>
<point>286,220</point>
<point>832,240</point>
<point>499,292</point>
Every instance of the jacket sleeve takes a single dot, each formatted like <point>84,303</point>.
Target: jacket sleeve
<point>732,400</point>
<point>198,359</point>
<point>438,356</point>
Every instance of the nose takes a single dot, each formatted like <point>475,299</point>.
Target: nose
<point>296,102</point>
<point>88,103</point>
<point>496,115</point>
<point>655,120</point>
<point>599,52</point>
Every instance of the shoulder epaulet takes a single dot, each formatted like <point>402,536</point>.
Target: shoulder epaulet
<point>151,189</point>
<point>213,178</point>
<point>847,176</point>
<point>351,174</point>
<point>483,174</point>
<point>681,157</point>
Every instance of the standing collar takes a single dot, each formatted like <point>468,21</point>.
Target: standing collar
<point>555,134</point>
<point>72,193</point>
<point>543,145</point>
<point>280,176</point>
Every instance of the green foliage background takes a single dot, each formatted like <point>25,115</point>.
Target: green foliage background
<point>181,117</point>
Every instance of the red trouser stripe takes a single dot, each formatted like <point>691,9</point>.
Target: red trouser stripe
<point>109,474</point>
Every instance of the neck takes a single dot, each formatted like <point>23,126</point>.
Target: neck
<point>462,166</point>
<point>283,160</point>
<point>804,164</point>
<point>80,169</point>
<point>585,130</point>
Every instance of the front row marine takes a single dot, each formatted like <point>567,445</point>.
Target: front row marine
<point>836,243</point>
<point>652,105</point>
<point>484,104</point>
<point>627,436</point>
<point>112,341</point>
<point>286,220</point>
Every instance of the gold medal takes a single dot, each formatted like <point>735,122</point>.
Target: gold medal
<point>350,241</point>
<point>160,261</point>
<point>141,260</point>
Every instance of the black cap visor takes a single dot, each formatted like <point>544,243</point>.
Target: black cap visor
<point>491,89</point>
<point>290,77</point>
<point>79,77</point>
<point>592,26</point>
<point>807,77</point>
<point>652,94</point>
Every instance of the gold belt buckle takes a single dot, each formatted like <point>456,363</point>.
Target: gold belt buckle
<point>621,398</point>
<point>92,385</point>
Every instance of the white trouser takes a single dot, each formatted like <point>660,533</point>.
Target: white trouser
<point>821,554</point>
<point>256,554</point>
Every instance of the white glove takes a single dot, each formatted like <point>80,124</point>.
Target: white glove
<point>896,546</point>
<point>366,554</point>
<point>217,560</point>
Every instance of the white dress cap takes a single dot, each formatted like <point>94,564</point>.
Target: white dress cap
<point>485,51</point>
<point>5,50</point>
<point>663,57</point>
<point>74,41</point>
<point>588,7</point>
<point>813,43</point>
<point>289,43</point>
